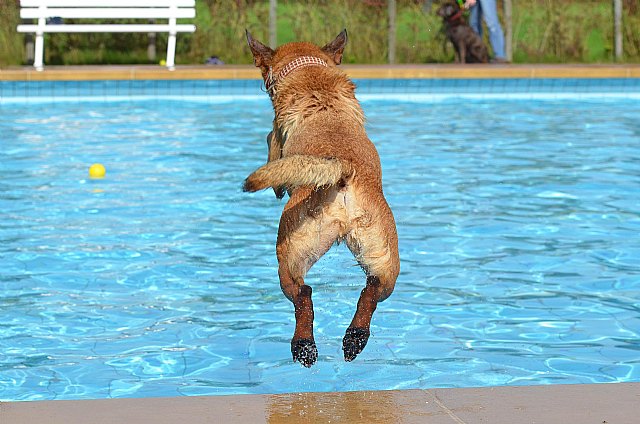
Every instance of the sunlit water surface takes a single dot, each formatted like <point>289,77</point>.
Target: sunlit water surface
<point>518,225</point>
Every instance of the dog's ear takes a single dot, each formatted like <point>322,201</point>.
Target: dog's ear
<point>446,10</point>
<point>262,54</point>
<point>335,48</point>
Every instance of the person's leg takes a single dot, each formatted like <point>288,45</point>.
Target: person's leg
<point>496,36</point>
<point>474,18</point>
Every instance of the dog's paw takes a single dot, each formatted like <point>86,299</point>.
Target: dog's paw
<point>304,351</point>
<point>354,341</point>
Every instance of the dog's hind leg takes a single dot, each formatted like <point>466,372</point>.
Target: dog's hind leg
<point>305,234</point>
<point>357,334</point>
<point>303,345</point>
<point>375,246</point>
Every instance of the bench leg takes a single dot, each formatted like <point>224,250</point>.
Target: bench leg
<point>171,51</point>
<point>38,59</point>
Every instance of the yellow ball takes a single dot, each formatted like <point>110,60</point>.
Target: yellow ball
<point>163,62</point>
<point>97,170</point>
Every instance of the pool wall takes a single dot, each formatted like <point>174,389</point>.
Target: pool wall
<point>420,82</point>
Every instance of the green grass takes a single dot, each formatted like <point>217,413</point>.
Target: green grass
<point>560,32</point>
<point>10,41</point>
<point>545,31</point>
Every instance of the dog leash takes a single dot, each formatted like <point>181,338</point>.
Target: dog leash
<point>456,16</point>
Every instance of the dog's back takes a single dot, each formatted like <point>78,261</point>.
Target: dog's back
<point>319,116</point>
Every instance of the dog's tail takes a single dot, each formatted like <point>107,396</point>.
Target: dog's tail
<point>298,170</point>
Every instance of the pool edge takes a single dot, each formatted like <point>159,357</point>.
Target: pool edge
<point>583,403</point>
<point>424,71</point>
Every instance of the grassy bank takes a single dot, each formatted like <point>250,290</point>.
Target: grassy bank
<point>545,31</point>
<point>11,50</point>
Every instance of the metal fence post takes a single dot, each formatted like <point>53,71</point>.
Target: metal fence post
<point>508,36</point>
<point>30,47</point>
<point>273,23</point>
<point>392,31</point>
<point>151,44</point>
<point>617,28</point>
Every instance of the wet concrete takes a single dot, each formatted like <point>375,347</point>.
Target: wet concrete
<point>562,404</point>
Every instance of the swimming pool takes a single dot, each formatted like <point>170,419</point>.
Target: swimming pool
<point>518,224</point>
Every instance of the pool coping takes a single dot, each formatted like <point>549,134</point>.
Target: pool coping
<point>427,71</point>
<point>610,403</point>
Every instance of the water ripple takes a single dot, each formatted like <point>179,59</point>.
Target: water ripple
<point>518,230</point>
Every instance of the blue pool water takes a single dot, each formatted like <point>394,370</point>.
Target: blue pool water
<point>518,225</point>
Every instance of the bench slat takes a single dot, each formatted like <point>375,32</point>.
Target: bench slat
<point>108,28</point>
<point>106,9</point>
<point>107,3</point>
<point>108,13</point>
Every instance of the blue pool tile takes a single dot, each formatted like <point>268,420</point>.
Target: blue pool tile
<point>132,89</point>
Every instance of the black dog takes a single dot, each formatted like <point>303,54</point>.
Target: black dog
<point>468,45</point>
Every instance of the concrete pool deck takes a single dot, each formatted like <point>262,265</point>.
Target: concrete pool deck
<point>617,403</point>
<point>200,72</point>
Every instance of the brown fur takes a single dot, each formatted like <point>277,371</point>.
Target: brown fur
<point>320,154</point>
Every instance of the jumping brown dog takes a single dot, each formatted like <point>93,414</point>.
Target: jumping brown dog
<point>320,154</point>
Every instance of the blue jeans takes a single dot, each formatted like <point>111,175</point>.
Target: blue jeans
<point>489,12</point>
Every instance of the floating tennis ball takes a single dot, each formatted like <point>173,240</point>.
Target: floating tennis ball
<point>97,170</point>
<point>163,62</point>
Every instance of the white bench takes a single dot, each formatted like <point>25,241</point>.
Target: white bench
<point>42,10</point>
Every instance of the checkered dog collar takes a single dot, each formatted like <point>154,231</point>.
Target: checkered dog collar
<point>300,62</point>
